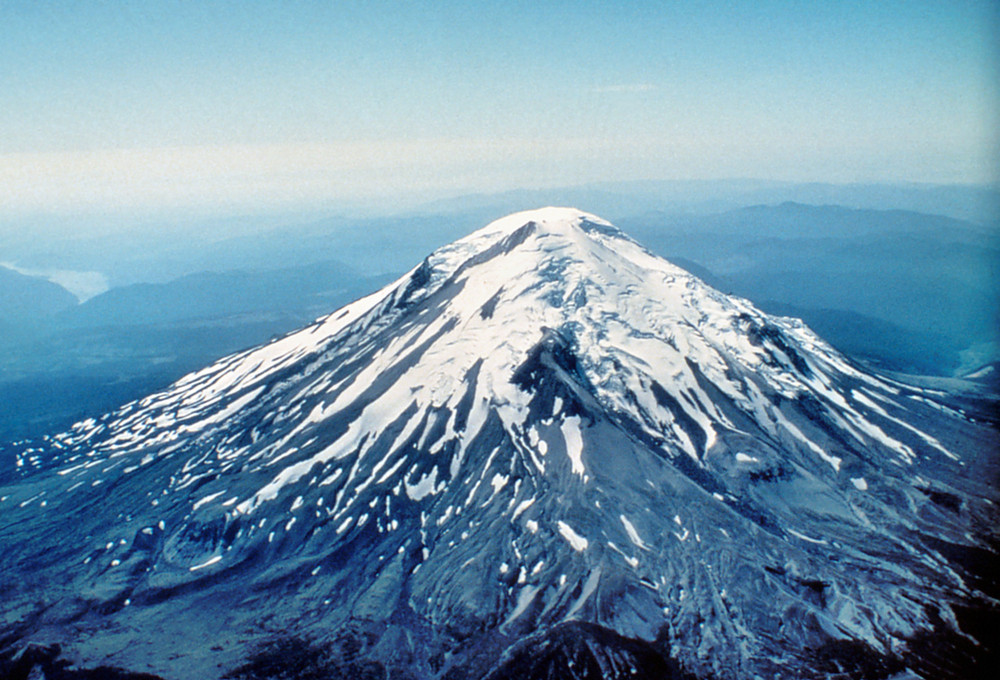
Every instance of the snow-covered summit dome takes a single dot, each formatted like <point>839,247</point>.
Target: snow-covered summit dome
<point>554,220</point>
<point>555,227</point>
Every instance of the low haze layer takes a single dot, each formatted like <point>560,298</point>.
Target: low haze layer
<point>233,106</point>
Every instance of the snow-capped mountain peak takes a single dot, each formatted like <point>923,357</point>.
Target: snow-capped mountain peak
<point>540,423</point>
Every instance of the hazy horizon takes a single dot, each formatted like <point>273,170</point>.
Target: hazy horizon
<point>237,108</point>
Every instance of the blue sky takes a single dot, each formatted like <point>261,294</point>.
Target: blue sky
<point>151,105</point>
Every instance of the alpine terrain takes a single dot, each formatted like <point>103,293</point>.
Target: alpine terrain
<point>542,453</point>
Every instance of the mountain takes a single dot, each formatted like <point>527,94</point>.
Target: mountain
<point>129,341</point>
<point>791,219</point>
<point>543,452</point>
<point>213,295</point>
<point>979,204</point>
<point>26,299</point>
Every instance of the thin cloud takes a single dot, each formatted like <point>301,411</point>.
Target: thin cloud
<point>630,87</point>
<point>233,176</point>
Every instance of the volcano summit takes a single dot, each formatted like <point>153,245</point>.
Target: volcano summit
<point>544,452</point>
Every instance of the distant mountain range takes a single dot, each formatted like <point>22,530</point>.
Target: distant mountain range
<point>29,299</point>
<point>76,360</point>
<point>979,204</point>
<point>306,291</point>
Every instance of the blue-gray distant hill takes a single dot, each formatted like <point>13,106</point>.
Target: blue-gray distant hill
<point>124,343</point>
<point>26,299</point>
<point>304,292</point>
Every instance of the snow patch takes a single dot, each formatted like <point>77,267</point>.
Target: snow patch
<point>576,541</point>
<point>422,488</point>
<point>574,443</point>
<point>633,535</point>
<point>207,499</point>
<point>207,563</point>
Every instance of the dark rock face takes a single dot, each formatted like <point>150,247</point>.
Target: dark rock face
<point>584,651</point>
<point>31,661</point>
<point>544,453</point>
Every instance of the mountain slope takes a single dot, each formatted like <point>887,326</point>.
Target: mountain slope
<point>933,277</point>
<point>541,432</point>
<point>29,299</point>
